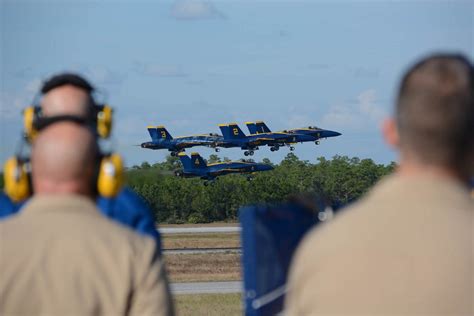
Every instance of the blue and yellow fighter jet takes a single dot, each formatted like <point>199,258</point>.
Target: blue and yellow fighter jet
<point>234,137</point>
<point>197,167</point>
<point>316,133</point>
<point>161,139</point>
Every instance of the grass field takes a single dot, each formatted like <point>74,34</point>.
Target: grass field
<point>213,224</point>
<point>213,240</point>
<point>203,267</point>
<point>208,304</point>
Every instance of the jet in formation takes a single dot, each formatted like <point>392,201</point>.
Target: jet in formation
<point>235,137</point>
<point>232,137</point>
<point>196,166</point>
<point>300,135</point>
<point>162,139</point>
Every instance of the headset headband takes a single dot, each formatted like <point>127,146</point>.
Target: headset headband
<point>67,79</point>
<point>47,121</point>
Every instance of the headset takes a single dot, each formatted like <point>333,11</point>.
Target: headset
<point>99,116</point>
<point>108,179</point>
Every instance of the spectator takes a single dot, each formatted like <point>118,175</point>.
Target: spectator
<point>406,248</point>
<point>70,94</point>
<point>60,256</point>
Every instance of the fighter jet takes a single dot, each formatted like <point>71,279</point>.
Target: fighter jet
<point>234,137</point>
<point>197,167</point>
<point>316,133</point>
<point>162,139</point>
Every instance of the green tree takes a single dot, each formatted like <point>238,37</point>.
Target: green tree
<point>145,165</point>
<point>213,158</point>
<point>177,200</point>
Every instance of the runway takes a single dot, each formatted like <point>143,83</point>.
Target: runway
<point>199,230</point>
<point>206,287</point>
<point>203,287</point>
<point>193,251</point>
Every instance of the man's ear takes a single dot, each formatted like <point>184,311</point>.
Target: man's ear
<point>390,133</point>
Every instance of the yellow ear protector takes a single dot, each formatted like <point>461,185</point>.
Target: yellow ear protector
<point>100,119</point>
<point>17,174</point>
<point>103,117</point>
<point>110,176</point>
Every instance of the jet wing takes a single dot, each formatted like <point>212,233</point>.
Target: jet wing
<point>227,170</point>
<point>180,145</point>
<point>265,139</point>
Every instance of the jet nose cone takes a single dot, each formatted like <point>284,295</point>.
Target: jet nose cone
<point>331,134</point>
<point>144,145</point>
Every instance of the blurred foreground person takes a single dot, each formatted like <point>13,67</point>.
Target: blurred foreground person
<point>70,96</point>
<point>407,247</point>
<point>61,256</point>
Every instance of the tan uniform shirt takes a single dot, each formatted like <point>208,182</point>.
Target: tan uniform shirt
<point>60,256</point>
<point>405,249</point>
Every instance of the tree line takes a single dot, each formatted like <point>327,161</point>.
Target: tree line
<point>339,180</point>
<point>177,200</point>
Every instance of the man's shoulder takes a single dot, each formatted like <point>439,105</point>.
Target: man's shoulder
<point>392,203</point>
<point>77,217</point>
<point>353,220</point>
<point>337,230</point>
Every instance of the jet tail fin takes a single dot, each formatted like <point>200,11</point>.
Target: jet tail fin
<point>185,161</point>
<point>252,127</point>
<point>231,131</point>
<point>153,133</point>
<point>197,161</point>
<point>163,133</point>
<point>225,130</point>
<point>262,127</point>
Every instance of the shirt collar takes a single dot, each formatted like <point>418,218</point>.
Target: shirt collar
<point>60,202</point>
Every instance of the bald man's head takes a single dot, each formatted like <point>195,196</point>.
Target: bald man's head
<point>66,100</point>
<point>63,160</point>
<point>435,112</point>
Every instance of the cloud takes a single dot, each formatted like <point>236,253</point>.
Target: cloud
<point>364,113</point>
<point>12,103</point>
<point>319,66</point>
<point>368,106</point>
<point>100,75</point>
<point>195,10</point>
<point>103,76</point>
<point>33,86</point>
<point>298,120</point>
<point>365,72</point>
<point>155,70</point>
<point>341,116</point>
<point>25,72</point>
<point>96,75</point>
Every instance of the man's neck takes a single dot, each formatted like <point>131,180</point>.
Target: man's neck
<point>411,168</point>
<point>64,188</point>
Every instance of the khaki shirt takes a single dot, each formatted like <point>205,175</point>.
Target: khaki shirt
<point>60,256</point>
<point>405,249</point>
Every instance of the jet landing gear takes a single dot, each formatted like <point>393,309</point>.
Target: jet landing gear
<point>317,142</point>
<point>248,153</point>
<point>175,153</point>
<point>217,150</point>
<point>292,148</point>
<point>274,148</point>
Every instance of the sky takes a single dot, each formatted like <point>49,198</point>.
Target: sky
<point>192,64</point>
